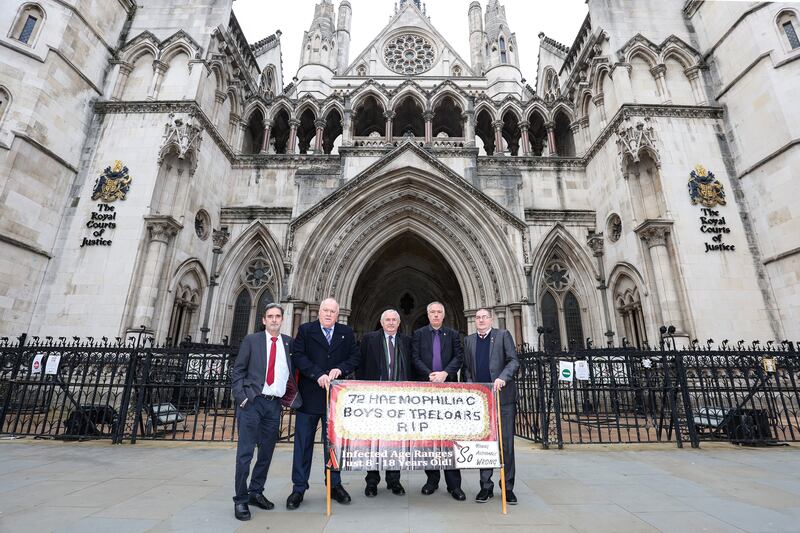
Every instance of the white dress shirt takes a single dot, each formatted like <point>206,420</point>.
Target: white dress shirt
<point>278,387</point>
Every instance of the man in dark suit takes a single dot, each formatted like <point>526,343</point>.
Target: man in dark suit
<point>324,350</point>
<point>261,377</point>
<point>385,356</point>
<point>438,355</point>
<point>490,357</point>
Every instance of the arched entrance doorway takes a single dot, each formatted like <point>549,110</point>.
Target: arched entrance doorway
<point>406,274</point>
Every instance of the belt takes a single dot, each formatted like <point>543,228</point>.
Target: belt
<point>269,397</point>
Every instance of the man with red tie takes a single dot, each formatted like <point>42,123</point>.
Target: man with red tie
<point>260,379</point>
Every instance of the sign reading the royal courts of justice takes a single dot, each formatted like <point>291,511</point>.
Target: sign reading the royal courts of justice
<point>410,425</point>
<point>112,185</point>
<point>706,190</point>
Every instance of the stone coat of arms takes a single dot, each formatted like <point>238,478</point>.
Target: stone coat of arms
<point>705,189</point>
<point>113,184</point>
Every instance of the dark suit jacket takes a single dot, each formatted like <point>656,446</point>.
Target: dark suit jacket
<point>250,367</point>
<point>314,357</point>
<point>503,361</point>
<point>372,365</point>
<point>422,352</point>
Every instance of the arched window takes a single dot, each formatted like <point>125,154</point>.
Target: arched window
<point>28,24</point>
<point>572,321</point>
<point>361,70</point>
<point>561,312</point>
<point>263,301</point>
<point>241,317</point>
<point>456,71</point>
<point>369,118</point>
<point>788,27</point>
<point>552,330</point>
<point>503,53</point>
<point>630,317</point>
<point>5,103</point>
<point>184,308</point>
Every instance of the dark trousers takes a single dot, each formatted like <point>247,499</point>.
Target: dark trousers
<point>259,425</point>
<point>452,478</point>
<point>305,428</point>
<point>507,415</point>
<point>374,477</point>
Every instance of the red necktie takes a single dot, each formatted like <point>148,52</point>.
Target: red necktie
<point>271,369</point>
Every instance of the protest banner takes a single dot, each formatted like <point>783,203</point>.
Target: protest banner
<point>410,425</point>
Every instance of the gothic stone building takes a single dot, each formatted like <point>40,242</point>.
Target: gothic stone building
<point>156,170</point>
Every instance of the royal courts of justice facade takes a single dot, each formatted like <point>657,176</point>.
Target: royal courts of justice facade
<point>159,170</point>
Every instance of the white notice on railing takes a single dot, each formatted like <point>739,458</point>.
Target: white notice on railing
<point>52,364</point>
<point>36,365</point>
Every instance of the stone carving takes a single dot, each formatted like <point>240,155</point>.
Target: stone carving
<point>184,135</point>
<point>409,54</point>
<point>633,136</point>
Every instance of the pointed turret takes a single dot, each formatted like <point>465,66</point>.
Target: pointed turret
<point>319,42</point>
<point>343,36</point>
<point>476,37</point>
<point>500,59</point>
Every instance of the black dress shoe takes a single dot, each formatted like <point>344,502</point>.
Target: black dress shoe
<point>340,495</point>
<point>511,498</point>
<point>241,511</point>
<point>428,489</point>
<point>457,494</point>
<point>371,491</point>
<point>484,495</point>
<point>260,501</point>
<point>294,500</point>
<point>397,489</point>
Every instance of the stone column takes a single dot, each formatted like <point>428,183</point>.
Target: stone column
<point>159,68</point>
<point>347,127</point>
<point>526,144</point>
<point>599,103</point>
<point>659,72</point>
<point>320,125</point>
<point>580,134</point>
<point>313,312</point>
<point>551,138</point>
<point>220,238</point>
<point>160,231</point>
<point>622,83</point>
<point>123,72</point>
<point>468,117</point>
<point>498,137</point>
<point>219,98</point>
<point>655,235</point>
<point>389,116</point>
<point>298,317</point>
<point>596,242</point>
<point>290,144</point>
<point>428,116</point>
<point>233,130</point>
<point>265,140</point>
<point>500,316</point>
<point>240,135</point>
<point>516,313</point>
<point>693,73</point>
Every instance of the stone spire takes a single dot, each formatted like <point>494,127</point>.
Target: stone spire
<point>501,44</point>
<point>402,3</point>
<point>319,42</point>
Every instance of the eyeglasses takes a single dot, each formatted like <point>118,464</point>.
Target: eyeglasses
<point>482,317</point>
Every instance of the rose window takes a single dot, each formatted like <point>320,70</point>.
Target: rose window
<point>258,273</point>
<point>556,276</point>
<point>409,54</point>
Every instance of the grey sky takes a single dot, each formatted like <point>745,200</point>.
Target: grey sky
<point>559,19</point>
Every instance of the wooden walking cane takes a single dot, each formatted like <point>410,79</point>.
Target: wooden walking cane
<point>327,459</point>
<point>502,460</point>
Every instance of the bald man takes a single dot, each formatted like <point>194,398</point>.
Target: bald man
<point>323,350</point>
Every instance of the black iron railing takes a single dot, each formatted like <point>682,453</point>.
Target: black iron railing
<point>635,396</point>
<point>123,390</point>
<point>128,390</point>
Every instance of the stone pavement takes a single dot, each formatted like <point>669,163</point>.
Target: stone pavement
<point>96,487</point>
